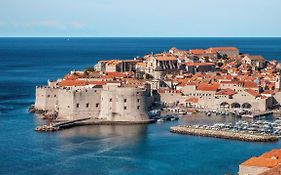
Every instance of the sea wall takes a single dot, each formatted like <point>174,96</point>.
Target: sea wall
<point>80,103</point>
<point>46,98</point>
<point>189,130</point>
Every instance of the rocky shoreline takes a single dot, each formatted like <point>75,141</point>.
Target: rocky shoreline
<point>189,130</point>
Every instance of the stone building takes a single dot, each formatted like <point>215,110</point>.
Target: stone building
<point>111,102</point>
<point>199,67</point>
<point>229,51</point>
<point>256,61</point>
<point>164,61</point>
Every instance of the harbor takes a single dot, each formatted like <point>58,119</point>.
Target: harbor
<point>206,131</point>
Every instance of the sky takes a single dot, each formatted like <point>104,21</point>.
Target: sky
<point>140,18</point>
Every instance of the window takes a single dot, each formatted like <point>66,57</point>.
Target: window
<point>55,95</point>
<point>110,100</point>
<point>48,96</point>
<point>138,100</point>
<point>125,107</point>
<point>77,105</point>
<point>125,100</point>
<point>97,105</point>
<point>87,105</point>
<point>138,107</point>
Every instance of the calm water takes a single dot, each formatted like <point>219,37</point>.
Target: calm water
<point>151,149</point>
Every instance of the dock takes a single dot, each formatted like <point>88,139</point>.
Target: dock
<point>60,125</point>
<point>242,136</point>
<point>256,115</point>
<point>87,121</point>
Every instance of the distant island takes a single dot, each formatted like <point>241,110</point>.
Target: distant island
<point>128,91</point>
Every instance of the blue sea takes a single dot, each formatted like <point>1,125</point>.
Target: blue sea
<point>139,149</point>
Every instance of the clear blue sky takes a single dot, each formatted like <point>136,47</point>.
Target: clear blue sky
<point>140,18</point>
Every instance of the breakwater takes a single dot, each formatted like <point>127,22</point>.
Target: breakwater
<point>243,136</point>
<point>85,122</point>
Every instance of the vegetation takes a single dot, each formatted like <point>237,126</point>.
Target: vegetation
<point>90,69</point>
<point>148,76</point>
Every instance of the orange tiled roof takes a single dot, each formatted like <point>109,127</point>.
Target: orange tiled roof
<point>197,51</point>
<point>269,159</point>
<point>250,84</point>
<point>70,77</point>
<point>252,92</point>
<point>261,162</point>
<point>226,92</point>
<point>199,64</point>
<point>72,83</point>
<point>216,49</point>
<point>166,58</point>
<point>96,82</point>
<point>204,87</point>
<point>275,153</point>
<point>115,74</point>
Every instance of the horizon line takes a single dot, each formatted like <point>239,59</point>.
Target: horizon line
<point>140,36</point>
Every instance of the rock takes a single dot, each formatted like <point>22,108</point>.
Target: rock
<point>32,109</point>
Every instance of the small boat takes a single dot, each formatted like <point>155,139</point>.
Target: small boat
<point>160,120</point>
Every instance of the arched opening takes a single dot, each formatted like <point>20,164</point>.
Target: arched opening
<point>246,105</point>
<point>224,105</point>
<point>235,105</point>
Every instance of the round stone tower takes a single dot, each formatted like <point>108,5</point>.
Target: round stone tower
<point>126,104</point>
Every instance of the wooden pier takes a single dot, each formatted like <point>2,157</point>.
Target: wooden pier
<point>243,136</point>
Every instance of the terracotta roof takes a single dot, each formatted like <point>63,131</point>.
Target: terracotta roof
<point>217,49</point>
<point>250,84</point>
<point>261,162</point>
<point>204,87</point>
<point>191,83</point>
<point>226,92</point>
<point>115,74</point>
<point>72,83</point>
<point>230,82</point>
<point>275,153</point>
<point>166,58</point>
<point>70,77</point>
<point>96,82</point>
<point>252,92</point>
<point>197,51</point>
<point>268,92</point>
<point>269,159</point>
<point>80,83</point>
<point>199,64</point>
